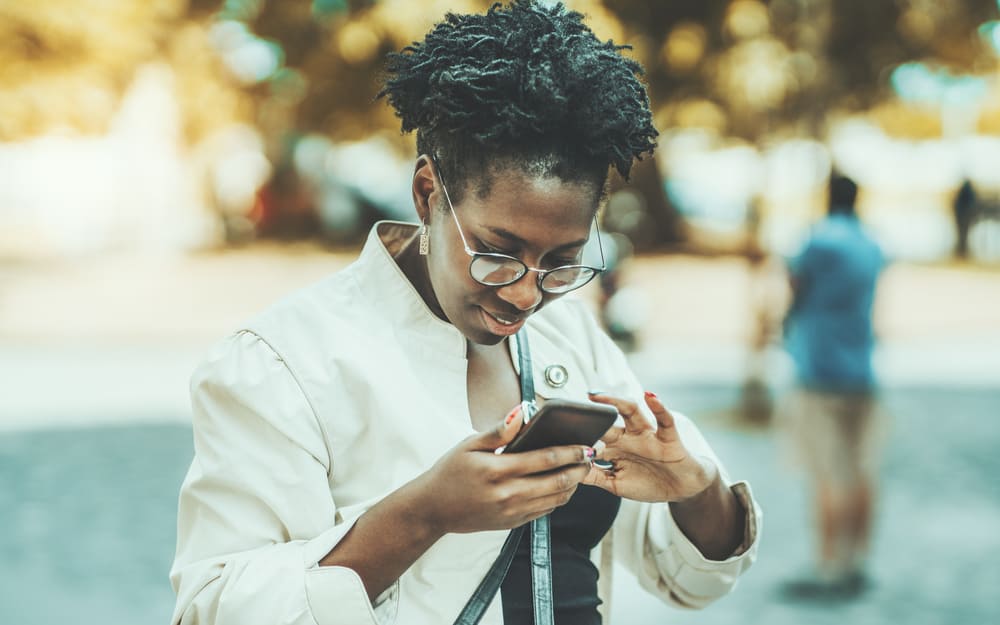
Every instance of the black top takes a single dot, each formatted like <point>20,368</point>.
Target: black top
<point>577,528</point>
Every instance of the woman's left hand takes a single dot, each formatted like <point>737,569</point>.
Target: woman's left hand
<point>650,461</point>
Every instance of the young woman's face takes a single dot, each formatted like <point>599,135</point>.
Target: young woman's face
<point>543,221</point>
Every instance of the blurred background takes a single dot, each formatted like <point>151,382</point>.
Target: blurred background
<point>170,167</point>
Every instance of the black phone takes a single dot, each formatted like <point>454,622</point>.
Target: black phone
<point>564,422</point>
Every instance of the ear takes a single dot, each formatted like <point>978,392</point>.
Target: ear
<point>424,185</point>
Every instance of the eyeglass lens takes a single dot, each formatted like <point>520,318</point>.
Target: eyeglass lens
<point>567,279</point>
<point>498,271</point>
<point>495,271</point>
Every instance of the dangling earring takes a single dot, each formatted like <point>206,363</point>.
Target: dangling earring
<point>425,240</point>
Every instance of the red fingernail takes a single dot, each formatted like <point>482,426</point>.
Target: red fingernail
<point>651,395</point>
<point>512,414</point>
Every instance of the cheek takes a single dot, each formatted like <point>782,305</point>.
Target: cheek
<point>449,270</point>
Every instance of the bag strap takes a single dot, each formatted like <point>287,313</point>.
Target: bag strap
<point>541,556</point>
<point>541,545</point>
<point>541,571</point>
<point>524,368</point>
<point>476,606</point>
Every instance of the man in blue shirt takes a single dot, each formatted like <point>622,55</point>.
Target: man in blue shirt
<point>831,415</point>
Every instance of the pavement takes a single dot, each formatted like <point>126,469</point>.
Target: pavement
<point>935,530</point>
<point>113,338</point>
<point>111,341</point>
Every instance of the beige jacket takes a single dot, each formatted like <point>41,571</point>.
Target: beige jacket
<point>337,396</point>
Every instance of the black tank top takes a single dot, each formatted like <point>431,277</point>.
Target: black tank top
<point>577,528</point>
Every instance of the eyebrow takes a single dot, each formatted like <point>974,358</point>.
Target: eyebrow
<point>513,238</point>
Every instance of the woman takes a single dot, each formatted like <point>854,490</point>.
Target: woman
<point>345,468</point>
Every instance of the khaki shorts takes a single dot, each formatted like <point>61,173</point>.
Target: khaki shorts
<point>836,437</point>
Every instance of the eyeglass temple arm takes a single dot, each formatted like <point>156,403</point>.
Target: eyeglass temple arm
<point>451,207</point>
<point>600,245</point>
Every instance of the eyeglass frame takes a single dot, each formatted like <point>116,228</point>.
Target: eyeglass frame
<point>542,273</point>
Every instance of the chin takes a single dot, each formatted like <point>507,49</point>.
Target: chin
<point>485,338</point>
<point>475,330</point>
<point>476,333</point>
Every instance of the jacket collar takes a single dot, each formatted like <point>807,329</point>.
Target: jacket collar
<point>392,295</point>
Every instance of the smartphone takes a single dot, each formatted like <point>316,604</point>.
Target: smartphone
<point>564,422</point>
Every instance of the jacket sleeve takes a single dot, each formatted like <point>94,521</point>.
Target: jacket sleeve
<point>649,543</point>
<point>256,513</point>
<point>646,540</point>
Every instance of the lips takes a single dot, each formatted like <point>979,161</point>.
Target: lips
<point>501,324</point>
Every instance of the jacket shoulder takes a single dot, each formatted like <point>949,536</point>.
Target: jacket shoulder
<point>328,313</point>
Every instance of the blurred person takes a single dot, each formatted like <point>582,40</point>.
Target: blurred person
<point>622,308</point>
<point>831,416</point>
<point>345,468</point>
<point>285,206</point>
<point>964,209</point>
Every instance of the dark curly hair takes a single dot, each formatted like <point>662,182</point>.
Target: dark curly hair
<point>524,85</point>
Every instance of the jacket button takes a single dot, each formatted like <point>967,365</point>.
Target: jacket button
<point>556,376</point>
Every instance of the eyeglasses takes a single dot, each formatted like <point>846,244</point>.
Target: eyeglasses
<point>491,269</point>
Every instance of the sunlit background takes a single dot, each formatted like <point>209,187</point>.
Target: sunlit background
<point>170,167</point>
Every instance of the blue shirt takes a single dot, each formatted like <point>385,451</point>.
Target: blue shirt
<point>829,331</point>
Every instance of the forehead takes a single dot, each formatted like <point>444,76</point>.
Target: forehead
<point>519,199</point>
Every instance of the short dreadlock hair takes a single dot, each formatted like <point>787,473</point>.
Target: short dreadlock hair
<point>524,85</point>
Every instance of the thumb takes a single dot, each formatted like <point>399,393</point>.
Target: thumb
<point>498,436</point>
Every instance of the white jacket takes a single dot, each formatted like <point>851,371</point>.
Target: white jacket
<point>337,396</point>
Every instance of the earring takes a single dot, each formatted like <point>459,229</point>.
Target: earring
<point>425,240</point>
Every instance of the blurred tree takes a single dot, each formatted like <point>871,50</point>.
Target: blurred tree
<point>65,63</point>
<point>785,64</point>
<point>745,68</point>
<point>754,69</point>
<point>750,69</point>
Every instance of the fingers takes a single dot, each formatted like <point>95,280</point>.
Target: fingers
<point>547,459</point>
<point>599,448</point>
<point>498,436</point>
<point>664,420</point>
<point>601,478</point>
<point>611,437</point>
<point>635,421</point>
<point>526,498</point>
<point>550,490</point>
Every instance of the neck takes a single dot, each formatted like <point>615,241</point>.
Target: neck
<point>414,267</point>
<point>499,350</point>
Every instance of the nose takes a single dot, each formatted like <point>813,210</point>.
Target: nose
<point>524,294</point>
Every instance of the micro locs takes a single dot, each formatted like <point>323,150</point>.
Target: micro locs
<point>525,84</point>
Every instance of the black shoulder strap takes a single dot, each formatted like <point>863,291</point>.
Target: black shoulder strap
<point>487,589</point>
<point>541,558</point>
<point>541,571</point>
<point>524,365</point>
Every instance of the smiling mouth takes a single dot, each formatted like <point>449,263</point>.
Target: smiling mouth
<point>504,319</point>
<point>502,325</point>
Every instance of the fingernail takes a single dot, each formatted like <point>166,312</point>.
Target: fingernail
<point>589,453</point>
<point>512,414</point>
<point>595,392</point>
<point>651,395</point>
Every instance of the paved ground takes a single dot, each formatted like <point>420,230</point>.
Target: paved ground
<point>88,517</point>
<point>935,534</point>
<point>94,437</point>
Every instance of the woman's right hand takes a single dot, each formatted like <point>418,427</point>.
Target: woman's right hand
<point>472,488</point>
<point>469,489</point>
